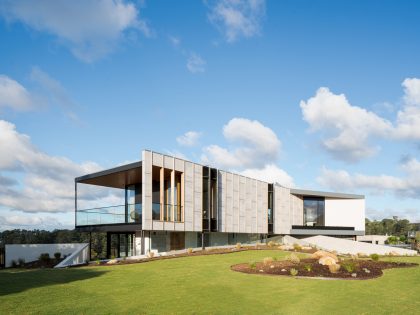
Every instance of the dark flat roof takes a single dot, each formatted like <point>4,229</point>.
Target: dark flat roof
<point>314,193</point>
<point>117,177</point>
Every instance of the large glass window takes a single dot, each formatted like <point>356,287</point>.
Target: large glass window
<point>313,211</point>
<point>133,203</point>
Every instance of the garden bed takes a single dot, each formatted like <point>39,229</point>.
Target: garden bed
<point>350,269</point>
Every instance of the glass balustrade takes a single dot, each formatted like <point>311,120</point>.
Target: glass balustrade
<point>131,213</point>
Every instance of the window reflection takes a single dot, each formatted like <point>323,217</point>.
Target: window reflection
<point>313,211</point>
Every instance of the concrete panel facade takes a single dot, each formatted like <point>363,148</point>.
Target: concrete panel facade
<point>243,204</point>
<point>282,210</point>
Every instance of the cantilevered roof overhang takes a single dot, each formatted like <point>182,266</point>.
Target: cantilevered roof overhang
<point>303,192</point>
<point>117,177</point>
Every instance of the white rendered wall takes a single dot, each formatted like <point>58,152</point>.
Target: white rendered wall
<point>345,212</point>
<point>31,252</point>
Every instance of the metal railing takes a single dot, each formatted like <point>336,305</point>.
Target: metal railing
<point>129,213</point>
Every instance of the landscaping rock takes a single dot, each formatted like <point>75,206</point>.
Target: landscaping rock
<point>321,253</point>
<point>327,261</point>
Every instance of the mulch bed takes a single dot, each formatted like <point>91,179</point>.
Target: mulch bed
<point>374,269</point>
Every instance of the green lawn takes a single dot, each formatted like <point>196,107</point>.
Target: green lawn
<point>203,284</point>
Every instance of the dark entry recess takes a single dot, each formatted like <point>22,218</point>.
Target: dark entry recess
<point>119,245</point>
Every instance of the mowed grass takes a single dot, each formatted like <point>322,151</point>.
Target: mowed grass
<point>203,284</point>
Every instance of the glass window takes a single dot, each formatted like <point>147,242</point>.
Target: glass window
<point>313,211</point>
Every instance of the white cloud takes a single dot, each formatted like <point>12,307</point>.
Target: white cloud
<point>255,145</point>
<point>413,215</point>
<point>270,173</point>
<point>14,95</point>
<point>27,221</point>
<point>48,181</point>
<point>237,18</point>
<point>177,154</point>
<point>412,91</point>
<point>347,128</point>
<point>254,151</point>
<point>90,28</point>
<point>196,64</point>
<point>189,139</point>
<point>407,186</point>
<point>408,119</point>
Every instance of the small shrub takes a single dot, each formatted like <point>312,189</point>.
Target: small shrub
<point>267,260</point>
<point>98,261</point>
<point>21,262</point>
<point>297,247</point>
<point>293,272</point>
<point>189,251</point>
<point>238,245</point>
<point>270,244</point>
<point>44,257</point>
<point>275,258</point>
<point>374,257</point>
<point>57,255</point>
<point>334,268</point>
<point>349,266</point>
<point>252,265</point>
<point>14,263</point>
<point>293,259</point>
<point>308,267</point>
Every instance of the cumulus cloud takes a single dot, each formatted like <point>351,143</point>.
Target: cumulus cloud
<point>90,28</point>
<point>237,18</point>
<point>254,145</point>
<point>14,95</point>
<point>348,131</point>
<point>254,151</point>
<point>189,139</point>
<point>196,64</point>
<point>270,173</point>
<point>408,118</point>
<point>347,128</point>
<point>407,186</point>
<point>48,181</point>
<point>31,221</point>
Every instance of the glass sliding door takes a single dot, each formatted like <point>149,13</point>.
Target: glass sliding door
<point>120,245</point>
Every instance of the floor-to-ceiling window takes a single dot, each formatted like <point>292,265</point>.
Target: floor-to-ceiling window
<point>313,211</point>
<point>133,203</point>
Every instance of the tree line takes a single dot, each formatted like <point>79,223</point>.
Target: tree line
<point>394,227</point>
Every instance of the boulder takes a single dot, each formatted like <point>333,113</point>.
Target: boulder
<point>321,253</point>
<point>327,261</point>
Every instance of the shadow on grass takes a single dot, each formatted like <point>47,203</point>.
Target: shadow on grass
<point>15,281</point>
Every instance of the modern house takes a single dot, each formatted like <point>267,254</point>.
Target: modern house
<point>171,203</point>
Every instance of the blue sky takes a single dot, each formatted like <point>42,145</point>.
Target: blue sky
<point>322,95</point>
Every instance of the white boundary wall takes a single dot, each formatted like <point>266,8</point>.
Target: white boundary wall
<point>31,252</point>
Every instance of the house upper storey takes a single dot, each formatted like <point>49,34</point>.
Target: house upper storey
<point>168,193</point>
